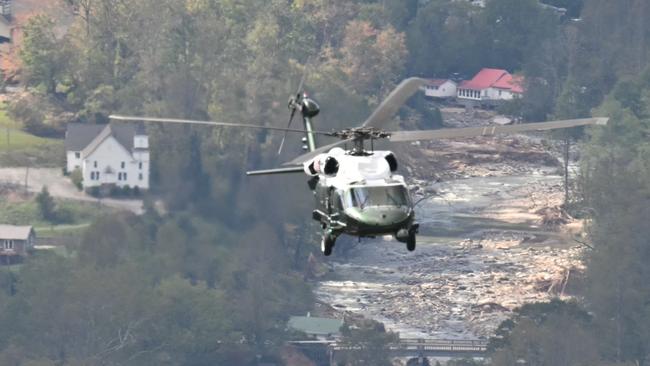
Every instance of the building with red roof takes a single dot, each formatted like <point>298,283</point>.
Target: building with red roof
<point>491,85</point>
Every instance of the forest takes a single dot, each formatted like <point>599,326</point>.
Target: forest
<point>214,281</point>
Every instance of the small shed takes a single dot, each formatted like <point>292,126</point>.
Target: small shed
<point>315,326</point>
<point>16,241</point>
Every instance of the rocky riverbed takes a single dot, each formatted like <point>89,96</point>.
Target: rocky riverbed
<point>492,238</point>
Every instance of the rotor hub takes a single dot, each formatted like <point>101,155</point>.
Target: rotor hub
<point>361,133</point>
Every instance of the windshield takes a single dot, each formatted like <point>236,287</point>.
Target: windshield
<point>363,197</point>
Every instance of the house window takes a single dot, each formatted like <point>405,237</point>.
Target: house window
<point>9,244</point>
<point>123,165</point>
<point>140,165</point>
<point>124,176</point>
<point>95,164</point>
<point>119,176</point>
<point>92,175</point>
<point>96,175</point>
<point>77,155</point>
<point>140,176</point>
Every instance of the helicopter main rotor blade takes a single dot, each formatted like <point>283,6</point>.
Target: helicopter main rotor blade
<point>312,154</point>
<point>447,133</point>
<point>293,113</point>
<point>387,109</point>
<point>293,109</point>
<point>211,123</point>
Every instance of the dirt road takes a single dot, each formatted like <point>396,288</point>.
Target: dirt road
<point>60,186</point>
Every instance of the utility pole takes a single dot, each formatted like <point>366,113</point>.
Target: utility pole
<point>31,161</point>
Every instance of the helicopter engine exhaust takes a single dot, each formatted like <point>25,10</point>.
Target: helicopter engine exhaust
<point>322,164</point>
<point>392,162</point>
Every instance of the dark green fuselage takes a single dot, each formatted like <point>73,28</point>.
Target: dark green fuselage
<point>342,210</point>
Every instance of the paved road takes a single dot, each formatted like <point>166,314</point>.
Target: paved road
<point>60,187</point>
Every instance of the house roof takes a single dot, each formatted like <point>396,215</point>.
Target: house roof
<point>437,82</point>
<point>15,232</point>
<point>509,82</point>
<point>86,137</point>
<point>484,79</point>
<point>315,325</point>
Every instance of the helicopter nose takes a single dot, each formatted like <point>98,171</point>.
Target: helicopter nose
<point>383,216</point>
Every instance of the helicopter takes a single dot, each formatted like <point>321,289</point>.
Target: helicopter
<point>357,190</point>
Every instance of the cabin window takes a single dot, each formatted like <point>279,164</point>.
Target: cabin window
<point>363,197</point>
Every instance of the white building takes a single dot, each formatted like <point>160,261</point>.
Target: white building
<point>491,85</point>
<point>440,88</point>
<point>113,154</point>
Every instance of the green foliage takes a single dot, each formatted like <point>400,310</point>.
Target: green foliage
<point>368,343</point>
<point>30,112</point>
<point>46,204</point>
<point>42,54</point>
<point>536,328</point>
<point>616,172</point>
<point>77,178</point>
<point>146,291</point>
<point>219,262</point>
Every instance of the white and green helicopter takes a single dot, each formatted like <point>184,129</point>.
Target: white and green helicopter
<point>357,190</point>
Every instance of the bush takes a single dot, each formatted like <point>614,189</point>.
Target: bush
<point>46,205</point>
<point>77,178</point>
<point>93,191</point>
<point>63,216</point>
<point>30,113</point>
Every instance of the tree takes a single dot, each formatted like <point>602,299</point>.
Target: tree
<point>367,343</point>
<point>535,329</point>
<point>46,205</point>
<point>42,53</point>
<point>372,59</point>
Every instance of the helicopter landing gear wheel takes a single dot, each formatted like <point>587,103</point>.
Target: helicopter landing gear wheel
<point>327,244</point>
<point>410,242</point>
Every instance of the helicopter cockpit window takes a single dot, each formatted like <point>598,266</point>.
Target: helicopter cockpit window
<point>363,197</point>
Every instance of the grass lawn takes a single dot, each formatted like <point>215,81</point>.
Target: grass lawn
<point>19,148</point>
<point>81,214</point>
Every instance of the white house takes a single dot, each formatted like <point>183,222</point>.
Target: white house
<point>112,154</point>
<point>491,85</point>
<point>440,88</point>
